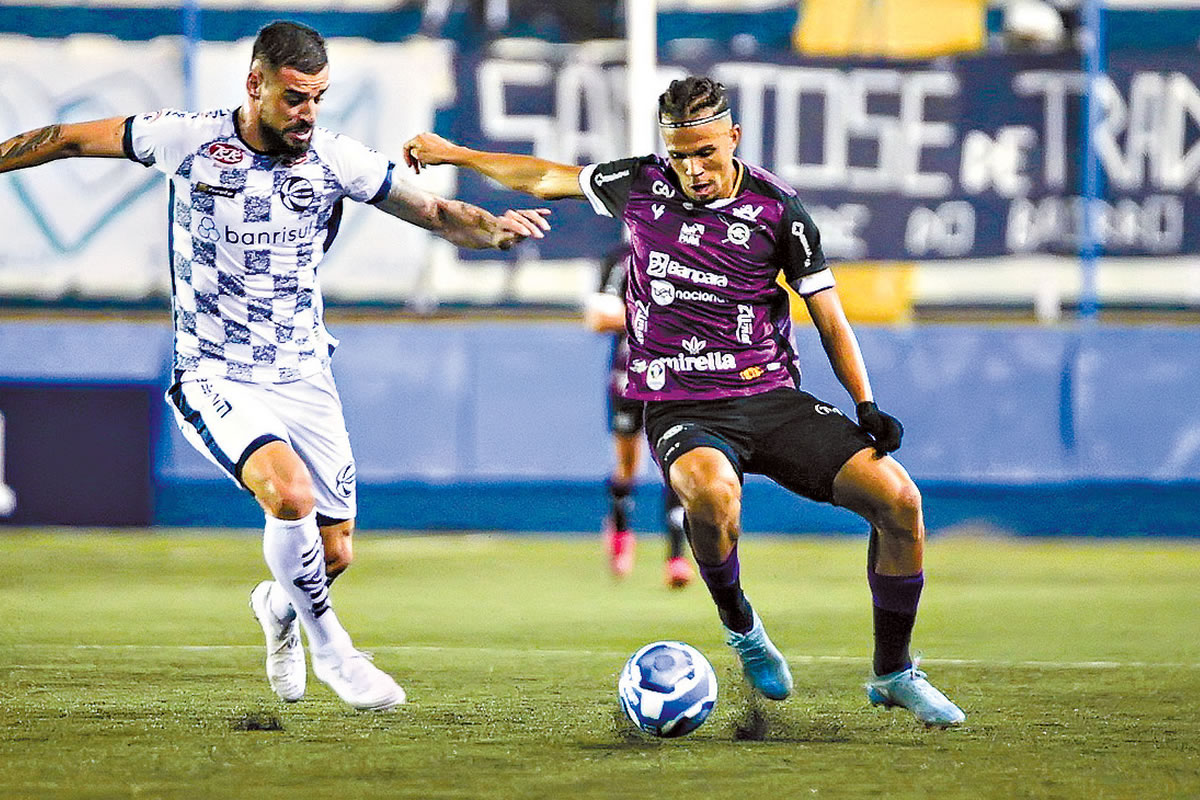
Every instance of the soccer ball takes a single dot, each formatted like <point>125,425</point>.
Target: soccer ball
<point>667,689</point>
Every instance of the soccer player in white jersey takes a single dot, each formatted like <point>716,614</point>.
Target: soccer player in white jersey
<point>256,195</point>
<point>710,354</point>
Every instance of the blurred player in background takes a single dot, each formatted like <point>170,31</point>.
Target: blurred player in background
<point>256,196</point>
<point>604,312</point>
<point>711,355</point>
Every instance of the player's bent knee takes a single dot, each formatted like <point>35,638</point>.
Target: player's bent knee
<point>289,500</point>
<point>903,511</point>
<point>717,500</point>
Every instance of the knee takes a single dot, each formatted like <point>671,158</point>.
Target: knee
<point>339,556</point>
<point>901,514</point>
<point>717,501</point>
<point>288,498</point>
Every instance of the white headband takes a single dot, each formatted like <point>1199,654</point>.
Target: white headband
<point>691,123</point>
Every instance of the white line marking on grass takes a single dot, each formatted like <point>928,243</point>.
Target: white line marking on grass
<point>801,659</point>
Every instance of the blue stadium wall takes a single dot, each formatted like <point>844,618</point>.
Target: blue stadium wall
<point>501,426</point>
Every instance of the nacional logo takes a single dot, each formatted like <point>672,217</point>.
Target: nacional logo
<point>227,154</point>
<point>664,293</point>
<point>344,483</point>
<point>662,189</point>
<point>739,234</point>
<point>297,193</point>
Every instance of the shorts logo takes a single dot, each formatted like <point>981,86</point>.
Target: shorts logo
<point>750,373</point>
<point>344,483</point>
<point>739,234</point>
<point>207,230</point>
<point>227,154</point>
<point>672,431</point>
<point>297,193</point>
<point>662,189</point>
<point>825,410</point>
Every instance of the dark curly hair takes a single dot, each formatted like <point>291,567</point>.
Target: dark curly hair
<point>290,44</point>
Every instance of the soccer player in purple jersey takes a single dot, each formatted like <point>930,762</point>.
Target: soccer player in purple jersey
<point>710,353</point>
<point>604,312</point>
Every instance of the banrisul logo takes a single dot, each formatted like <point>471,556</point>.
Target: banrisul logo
<point>301,233</point>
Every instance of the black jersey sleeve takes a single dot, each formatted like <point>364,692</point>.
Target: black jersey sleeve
<point>799,242</point>
<point>607,185</point>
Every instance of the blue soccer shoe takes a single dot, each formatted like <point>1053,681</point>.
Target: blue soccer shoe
<point>908,688</point>
<point>762,663</point>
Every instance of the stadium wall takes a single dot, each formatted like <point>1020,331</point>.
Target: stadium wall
<point>501,426</point>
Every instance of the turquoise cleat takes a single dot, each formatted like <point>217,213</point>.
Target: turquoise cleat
<point>908,688</point>
<point>762,663</point>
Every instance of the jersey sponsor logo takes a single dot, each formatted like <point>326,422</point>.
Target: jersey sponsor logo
<point>750,373</point>
<point>227,154</point>
<point>206,229</point>
<point>747,212</point>
<point>662,189</point>
<point>658,209</point>
<point>739,234</point>
<point>745,323</point>
<point>641,318</point>
<point>690,234</point>
<point>798,232</point>
<point>694,360</point>
<point>302,233</point>
<point>297,193</point>
<point>664,293</point>
<point>344,483</point>
<point>661,265</point>
<point>219,191</point>
<point>610,177</point>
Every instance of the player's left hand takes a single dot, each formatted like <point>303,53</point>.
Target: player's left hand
<point>519,224</point>
<point>884,428</point>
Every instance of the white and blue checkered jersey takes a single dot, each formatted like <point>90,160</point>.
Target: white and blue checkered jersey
<point>247,231</point>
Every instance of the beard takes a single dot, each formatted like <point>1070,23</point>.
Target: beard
<point>278,144</point>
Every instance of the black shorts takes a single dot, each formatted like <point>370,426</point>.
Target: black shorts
<point>624,415</point>
<point>786,434</point>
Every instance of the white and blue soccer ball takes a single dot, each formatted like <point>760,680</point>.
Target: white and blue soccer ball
<point>667,689</point>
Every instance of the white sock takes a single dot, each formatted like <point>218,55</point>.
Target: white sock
<point>296,557</point>
<point>279,605</point>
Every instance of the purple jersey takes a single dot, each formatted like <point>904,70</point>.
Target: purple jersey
<point>705,316</point>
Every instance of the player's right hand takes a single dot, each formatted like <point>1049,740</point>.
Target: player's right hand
<point>427,149</point>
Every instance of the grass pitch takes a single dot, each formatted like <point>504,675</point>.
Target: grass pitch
<point>130,667</point>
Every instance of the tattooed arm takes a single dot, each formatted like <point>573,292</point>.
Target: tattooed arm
<point>100,138</point>
<point>461,223</point>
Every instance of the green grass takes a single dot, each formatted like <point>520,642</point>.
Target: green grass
<point>130,667</point>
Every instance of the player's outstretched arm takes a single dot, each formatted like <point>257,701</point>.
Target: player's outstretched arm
<point>461,223</point>
<point>100,138</point>
<point>543,179</point>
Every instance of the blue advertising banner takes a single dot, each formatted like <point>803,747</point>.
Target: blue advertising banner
<point>971,157</point>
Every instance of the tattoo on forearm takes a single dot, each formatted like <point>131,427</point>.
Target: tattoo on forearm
<point>29,142</point>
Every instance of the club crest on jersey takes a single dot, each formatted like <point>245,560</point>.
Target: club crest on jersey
<point>690,234</point>
<point>227,154</point>
<point>297,193</point>
<point>739,234</point>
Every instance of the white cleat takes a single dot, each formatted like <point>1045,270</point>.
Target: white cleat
<point>909,688</point>
<point>286,671</point>
<point>356,680</point>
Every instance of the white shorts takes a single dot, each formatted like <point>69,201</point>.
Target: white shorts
<point>227,421</point>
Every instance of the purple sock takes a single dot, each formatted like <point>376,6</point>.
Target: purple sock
<point>723,582</point>
<point>895,599</point>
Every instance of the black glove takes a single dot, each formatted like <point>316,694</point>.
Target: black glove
<point>884,428</point>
